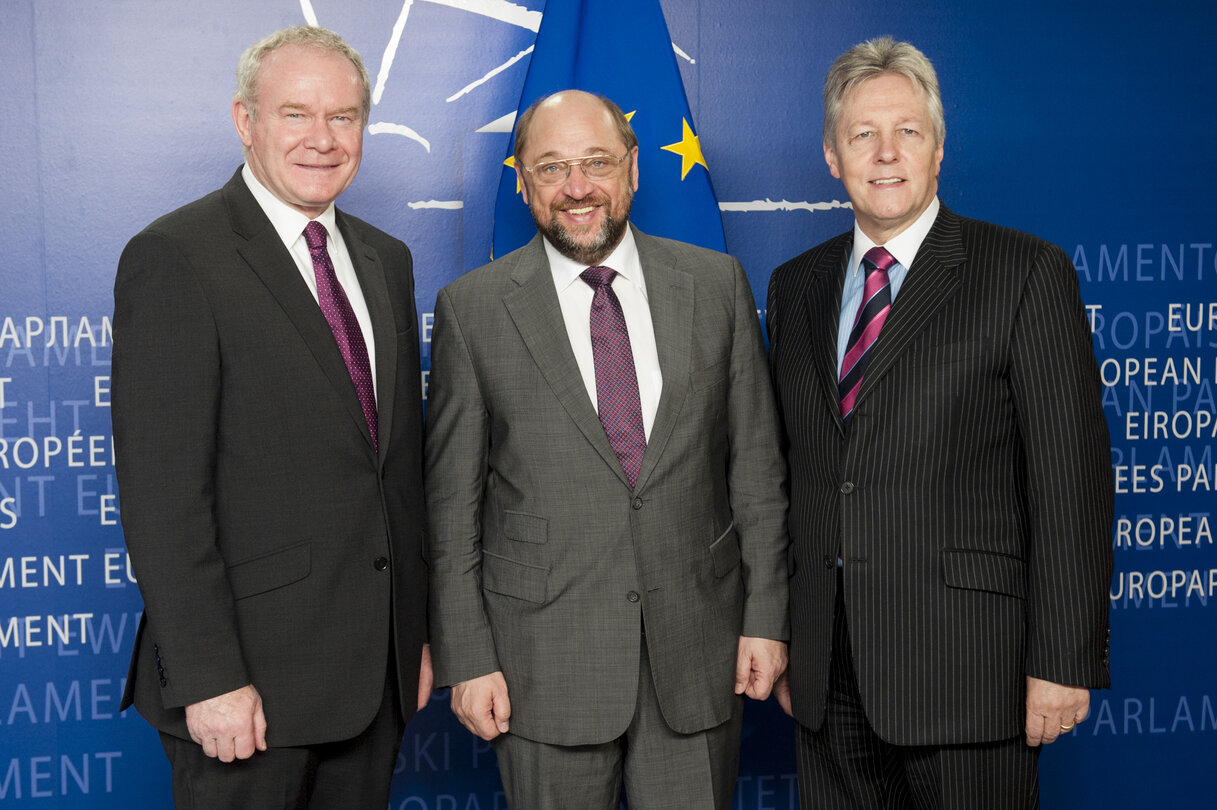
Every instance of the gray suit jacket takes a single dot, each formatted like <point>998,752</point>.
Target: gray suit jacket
<point>970,493</point>
<point>272,545</point>
<point>545,564</point>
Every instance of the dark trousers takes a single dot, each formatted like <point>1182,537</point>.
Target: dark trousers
<point>845,765</point>
<point>345,775</point>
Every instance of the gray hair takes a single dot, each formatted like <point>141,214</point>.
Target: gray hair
<point>870,60</point>
<point>620,122</point>
<point>307,35</point>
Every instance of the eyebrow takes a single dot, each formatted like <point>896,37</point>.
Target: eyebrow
<point>295,105</point>
<point>595,150</point>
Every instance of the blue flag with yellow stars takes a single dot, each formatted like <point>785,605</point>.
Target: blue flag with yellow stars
<point>621,49</point>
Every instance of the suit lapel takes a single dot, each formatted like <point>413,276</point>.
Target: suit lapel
<point>264,252</point>
<point>670,297</point>
<point>823,309</point>
<point>534,308</point>
<point>371,275</point>
<point>931,282</point>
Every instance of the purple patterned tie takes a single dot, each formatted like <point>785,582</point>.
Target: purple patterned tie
<point>876,303</point>
<point>616,380</point>
<point>341,318</point>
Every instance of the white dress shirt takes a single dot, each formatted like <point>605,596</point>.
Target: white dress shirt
<point>575,296</point>
<point>289,224</point>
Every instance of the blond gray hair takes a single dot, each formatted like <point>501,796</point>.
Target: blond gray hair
<point>870,60</point>
<point>309,36</point>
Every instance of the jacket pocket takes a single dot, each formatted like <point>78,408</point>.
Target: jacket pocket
<point>984,571</point>
<point>525,527</point>
<point>949,354</point>
<point>269,571</point>
<point>725,553</point>
<point>509,577</point>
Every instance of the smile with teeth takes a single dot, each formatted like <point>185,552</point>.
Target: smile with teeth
<point>581,211</point>
<point>887,181</point>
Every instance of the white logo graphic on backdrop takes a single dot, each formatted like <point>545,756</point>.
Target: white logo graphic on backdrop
<point>511,14</point>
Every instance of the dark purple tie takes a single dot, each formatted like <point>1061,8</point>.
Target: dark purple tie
<point>876,303</point>
<point>341,318</point>
<point>616,381</point>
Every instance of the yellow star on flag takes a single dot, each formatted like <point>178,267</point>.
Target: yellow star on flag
<point>511,164</point>
<point>689,149</point>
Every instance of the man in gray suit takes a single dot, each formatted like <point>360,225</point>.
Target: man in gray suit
<point>268,439</point>
<point>608,537</point>
<point>951,492</point>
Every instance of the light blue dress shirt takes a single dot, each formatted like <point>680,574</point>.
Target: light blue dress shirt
<point>903,247</point>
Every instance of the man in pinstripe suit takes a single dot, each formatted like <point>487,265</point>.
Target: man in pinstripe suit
<point>951,497</point>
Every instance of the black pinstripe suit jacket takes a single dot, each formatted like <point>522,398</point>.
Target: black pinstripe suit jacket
<point>970,495</point>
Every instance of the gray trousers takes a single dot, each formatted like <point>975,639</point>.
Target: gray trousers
<point>659,769</point>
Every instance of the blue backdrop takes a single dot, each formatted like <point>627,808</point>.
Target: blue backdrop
<point>1090,124</point>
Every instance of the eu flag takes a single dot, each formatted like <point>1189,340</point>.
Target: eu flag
<point>621,49</point>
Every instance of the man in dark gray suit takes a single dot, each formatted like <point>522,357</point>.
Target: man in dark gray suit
<point>608,536</point>
<point>269,457</point>
<point>951,492</point>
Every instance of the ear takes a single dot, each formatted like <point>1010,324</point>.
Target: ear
<point>938,158</point>
<point>830,157</point>
<point>634,169</point>
<point>244,123</point>
<point>521,183</point>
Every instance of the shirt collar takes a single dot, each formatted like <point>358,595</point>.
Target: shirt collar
<point>624,259</point>
<point>287,221</point>
<point>903,246</point>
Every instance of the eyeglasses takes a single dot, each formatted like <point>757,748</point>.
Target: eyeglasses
<point>553,172</point>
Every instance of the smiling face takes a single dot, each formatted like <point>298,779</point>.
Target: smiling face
<point>886,154</point>
<point>583,218</point>
<point>307,138</point>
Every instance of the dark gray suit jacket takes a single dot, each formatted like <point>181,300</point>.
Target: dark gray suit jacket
<point>971,493</point>
<point>271,544</point>
<point>545,564</point>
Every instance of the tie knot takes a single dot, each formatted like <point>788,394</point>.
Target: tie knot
<point>599,276</point>
<point>314,235</point>
<point>877,258</point>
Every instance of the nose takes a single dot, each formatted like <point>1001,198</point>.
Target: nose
<point>577,184</point>
<point>886,151</point>
<point>320,136</point>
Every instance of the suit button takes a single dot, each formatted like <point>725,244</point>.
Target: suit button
<point>637,504</point>
<point>164,682</point>
<point>830,561</point>
<point>847,487</point>
<point>632,596</point>
<point>381,563</point>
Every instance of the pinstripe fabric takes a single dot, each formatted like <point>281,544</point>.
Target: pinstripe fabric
<point>993,776</point>
<point>971,493</point>
<point>844,765</point>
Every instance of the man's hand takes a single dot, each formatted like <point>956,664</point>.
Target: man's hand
<point>1053,709</point>
<point>781,691</point>
<point>482,706</point>
<point>229,726</point>
<point>426,678</point>
<point>759,662</point>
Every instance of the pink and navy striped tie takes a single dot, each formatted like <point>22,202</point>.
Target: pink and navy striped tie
<point>617,398</point>
<point>876,303</point>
